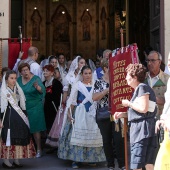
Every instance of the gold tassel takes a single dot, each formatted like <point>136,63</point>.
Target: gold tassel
<point>116,123</point>
<point>111,118</point>
<point>117,126</point>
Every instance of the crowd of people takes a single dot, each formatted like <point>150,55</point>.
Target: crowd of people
<point>64,99</point>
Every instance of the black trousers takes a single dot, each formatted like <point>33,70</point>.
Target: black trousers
<point>112,140</point>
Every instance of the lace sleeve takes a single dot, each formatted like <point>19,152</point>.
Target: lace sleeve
<point>65,84</point>
<point>72,100</point>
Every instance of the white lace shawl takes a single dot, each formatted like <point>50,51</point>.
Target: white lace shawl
<point>70,78</point>
<point>92,65</point>
<point>4,91</point>
<point>72,100</point>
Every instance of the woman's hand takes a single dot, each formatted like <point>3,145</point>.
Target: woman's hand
<point>164,122</point>
<point>167,124</point>
<point>158,124</point>
<point>70,118</point>
<point>37,86</point>
<point>1,125</point>
<point>125,103</point>
<point>99,95</point>
<point>118,115</point>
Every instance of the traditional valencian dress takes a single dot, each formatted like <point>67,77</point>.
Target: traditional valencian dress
<point>81,141</point>
<point>60,119</point>
<point>52,100</point>
<point>16,140</point>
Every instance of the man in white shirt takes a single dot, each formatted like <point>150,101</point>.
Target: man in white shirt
<point>157,79</point>
<point>31,60</point>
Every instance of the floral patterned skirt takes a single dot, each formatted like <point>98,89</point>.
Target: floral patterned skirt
<point>17,152</point>
<point>78,153</point>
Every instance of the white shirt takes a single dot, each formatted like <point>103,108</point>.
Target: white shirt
<point>34,68</point>
<point>167,70</point>
<point>153,80</point>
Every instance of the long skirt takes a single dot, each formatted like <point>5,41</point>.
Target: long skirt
<point>17,152</point>
<point>53,136</point>
<point>67,151</point>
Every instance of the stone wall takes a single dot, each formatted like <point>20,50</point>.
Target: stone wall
<point>5,26</point>
<point>36,24</point>
<point>82,28</point>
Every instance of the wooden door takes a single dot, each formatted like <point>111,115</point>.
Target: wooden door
<point>139,24</point>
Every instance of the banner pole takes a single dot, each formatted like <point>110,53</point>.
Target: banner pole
<point>121,38</point>
<point>125,119</point>
<point>0,51</point>
<point>20,36</point>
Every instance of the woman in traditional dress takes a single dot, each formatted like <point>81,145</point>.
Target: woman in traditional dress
<point>53,61</point>
<point>34,91</point>
<point>16,140</point>
<point>3,71</point>
<point>81,140</point>
<point>72,77</point>
<point>57,74</point>
<point>52,97</point>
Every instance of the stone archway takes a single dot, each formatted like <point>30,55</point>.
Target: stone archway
<point>61,38</point>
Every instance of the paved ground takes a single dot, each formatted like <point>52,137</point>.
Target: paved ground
<point>51,162</point>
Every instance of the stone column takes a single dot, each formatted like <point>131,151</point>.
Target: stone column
<point>5,25</point>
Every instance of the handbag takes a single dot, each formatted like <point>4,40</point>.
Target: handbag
<point>102,114</point>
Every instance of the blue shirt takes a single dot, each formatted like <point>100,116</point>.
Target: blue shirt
<point>99,72</point>
<point>142,125</point>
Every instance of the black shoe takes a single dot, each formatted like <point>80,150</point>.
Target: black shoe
<point>8,167</point>
<point>51,150</point>
<point>17,165</point>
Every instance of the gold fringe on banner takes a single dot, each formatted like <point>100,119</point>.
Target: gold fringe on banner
<point>121,127</point>
<point>117,126</point>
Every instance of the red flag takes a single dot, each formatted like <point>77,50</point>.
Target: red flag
<point>14,49</point>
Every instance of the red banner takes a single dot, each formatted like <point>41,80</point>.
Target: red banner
<point>14,47</point>
<point>119,89</point>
